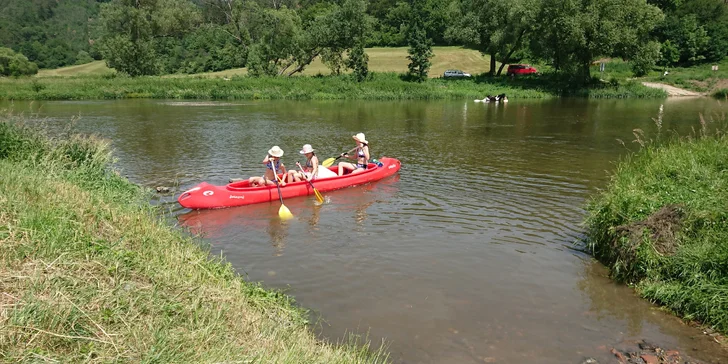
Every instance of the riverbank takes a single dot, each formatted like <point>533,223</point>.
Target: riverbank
<point>90,272</point>
<point>380,86</point>
<point>661,225</point>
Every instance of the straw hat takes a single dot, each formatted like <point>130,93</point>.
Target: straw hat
<point>276,151</point>
<point>360,138</point>
<point>307,149</point>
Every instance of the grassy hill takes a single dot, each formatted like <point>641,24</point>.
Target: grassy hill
<point>380,60</point>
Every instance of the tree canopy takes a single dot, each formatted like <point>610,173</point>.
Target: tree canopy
<point>283,37</point>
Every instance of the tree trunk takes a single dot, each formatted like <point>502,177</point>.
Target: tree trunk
<point>510,53</point>
<point>492,63</point>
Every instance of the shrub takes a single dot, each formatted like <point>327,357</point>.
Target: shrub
<point>15,64</point>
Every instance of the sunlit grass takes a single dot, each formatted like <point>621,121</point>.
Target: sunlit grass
<point>90,272</point>
<point>380,60</point>
<point>662,222</point>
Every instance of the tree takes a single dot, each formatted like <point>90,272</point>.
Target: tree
<point>15,64</point>
<point>493,27</point>
<point>420,46</point>
<point>284,43</point>
<point>136,34</point>
<point>573,33</point>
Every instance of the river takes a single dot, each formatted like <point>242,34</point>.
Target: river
<point>470,254</point>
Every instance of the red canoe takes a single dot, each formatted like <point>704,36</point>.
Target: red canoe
<point>207,196</point>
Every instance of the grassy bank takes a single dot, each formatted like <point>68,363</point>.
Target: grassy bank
<point>89,272</point>
<point>381,86</point>
<point>662,225</point>
<point>96,81</point>
<point>697,78</point>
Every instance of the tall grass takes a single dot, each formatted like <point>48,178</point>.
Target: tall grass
<point>89,272</point>
<point>381,86</point>
<point>662,222</point>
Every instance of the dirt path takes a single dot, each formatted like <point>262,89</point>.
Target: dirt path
<point>672,90</point>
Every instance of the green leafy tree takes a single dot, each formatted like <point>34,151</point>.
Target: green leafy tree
<point>359,61</point>
<point>50,33</point>
<point>284,42</point>
<point>420,47</point>
<point>645,57</point>
<point>499,29</point>
<point>573,33</point>
<point>138,35</point>
<point>15,64</point>
<point>669,54</point>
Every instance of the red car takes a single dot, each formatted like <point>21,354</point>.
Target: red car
<point>520,69</point>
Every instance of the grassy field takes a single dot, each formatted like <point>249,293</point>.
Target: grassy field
<point>380,60</point>
<point>91,273</point>
<point>95,81</point>
<point>662,223</point>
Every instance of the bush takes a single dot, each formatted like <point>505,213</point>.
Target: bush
<point>15,64</point>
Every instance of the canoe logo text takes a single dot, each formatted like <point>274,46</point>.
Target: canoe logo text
<point>238,197</point>
<point>208,193</point>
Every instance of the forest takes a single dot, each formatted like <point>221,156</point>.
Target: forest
<point>282,37</point>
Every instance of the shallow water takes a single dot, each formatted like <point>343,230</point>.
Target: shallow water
<point>469,255</point>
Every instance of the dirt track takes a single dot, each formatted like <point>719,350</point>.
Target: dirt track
<point>672,90</point>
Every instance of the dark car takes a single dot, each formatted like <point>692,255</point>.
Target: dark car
<point>520,69</point>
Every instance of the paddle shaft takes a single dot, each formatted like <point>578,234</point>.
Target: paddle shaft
<point>275,176</point>
<point>315,191</point>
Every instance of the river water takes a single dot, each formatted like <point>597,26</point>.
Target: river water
<point>470,254</point>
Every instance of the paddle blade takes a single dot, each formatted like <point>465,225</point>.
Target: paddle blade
<point>327,163</point>
<point>284,213</point>
<point>319,198</point>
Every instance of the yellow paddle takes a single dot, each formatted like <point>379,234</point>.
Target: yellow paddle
<point>319,198</point>
<point>328,162</point>
<point>283,212</point>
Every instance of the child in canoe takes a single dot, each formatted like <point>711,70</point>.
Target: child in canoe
<point>361,157</point>
<point>273,166</point>
<point>311,169</point>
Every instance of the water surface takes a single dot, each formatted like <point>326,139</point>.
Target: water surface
<point>469,255</point>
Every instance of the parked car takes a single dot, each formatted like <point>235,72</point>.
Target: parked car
<point>520,69</point>
<point>455,73</point>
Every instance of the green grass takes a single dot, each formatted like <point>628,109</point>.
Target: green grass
<point>381,60</point>
<point>662,223</point>
<point>381,86</point>
<point>697,78</point>
<point>90,272</point>
<point>95,81</point>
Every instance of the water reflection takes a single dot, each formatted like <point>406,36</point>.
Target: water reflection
<point>458,259</point>
<point>608,301</point>
<point>278,231</point>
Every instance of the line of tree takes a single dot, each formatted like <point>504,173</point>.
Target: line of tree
<point>282,37</point>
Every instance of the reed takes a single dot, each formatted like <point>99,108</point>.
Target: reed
<point>380,86</point>
<point>662,222</point>
<point>90,272</point>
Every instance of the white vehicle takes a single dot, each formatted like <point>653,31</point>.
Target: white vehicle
<point>455,73</point>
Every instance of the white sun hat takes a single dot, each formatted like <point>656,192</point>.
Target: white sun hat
<point>307,149</point>
<point>361,138</point>
<point>276,151</point>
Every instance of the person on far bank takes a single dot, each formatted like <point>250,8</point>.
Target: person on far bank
<point>361,156</point>
<point>273,166</point>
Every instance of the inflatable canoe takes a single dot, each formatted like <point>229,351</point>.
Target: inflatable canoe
<point>207,196</point>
